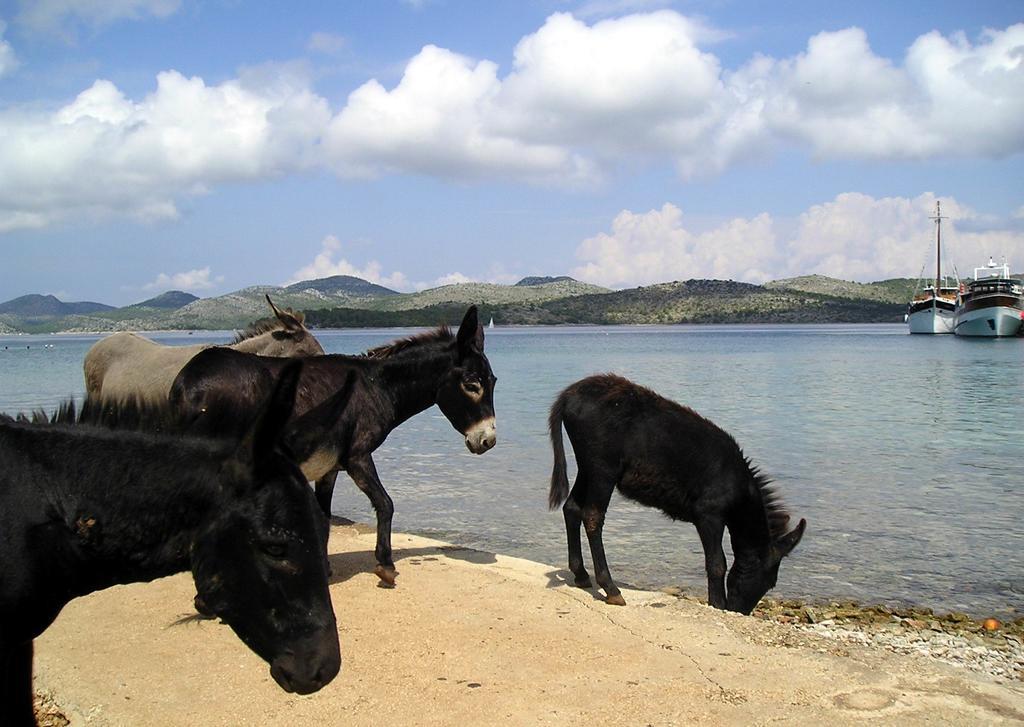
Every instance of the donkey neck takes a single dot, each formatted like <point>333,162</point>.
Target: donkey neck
<point>748,527</point>
<point>136,522</point>
<point>256,344</point>
<point>412,379</point>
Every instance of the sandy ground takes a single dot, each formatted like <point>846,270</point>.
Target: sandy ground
<point>472,638</point>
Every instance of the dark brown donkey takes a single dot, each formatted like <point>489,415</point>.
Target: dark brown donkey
<point>667,456</point>
<point>84,507</point>
<point>392,383</point>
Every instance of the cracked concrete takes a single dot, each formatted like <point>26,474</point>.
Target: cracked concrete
<point>470,637</point>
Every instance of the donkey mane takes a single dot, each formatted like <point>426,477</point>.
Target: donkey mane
<point>774,511</point>
<point>267,325</point>
<point>388,350</point>
<point>133,415</point>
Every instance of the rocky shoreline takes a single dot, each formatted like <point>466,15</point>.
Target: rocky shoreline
<point>987,646</point>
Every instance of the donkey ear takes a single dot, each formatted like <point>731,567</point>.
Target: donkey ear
<point>270,424</point>
<point>292,321</point>
<point>308,432</point>
<point>785,544</point>
<point>274,308</point>
<point>471,333</point>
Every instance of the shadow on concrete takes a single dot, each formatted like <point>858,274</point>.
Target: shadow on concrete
<point>563,578</point>
<point>346,565</point>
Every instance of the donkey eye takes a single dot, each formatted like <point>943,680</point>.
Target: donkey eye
<point>274,549</point>
<point>472,387</point>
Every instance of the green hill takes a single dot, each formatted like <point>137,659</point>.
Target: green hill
<point>692,301</point>
<point>895,290</point>
<point>48,306</point>
<point>346,285</point>
<point>343,301</point>
<point>171,300</point>
<point>491,293</point>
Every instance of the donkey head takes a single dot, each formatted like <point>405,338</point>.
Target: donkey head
<point>260,563</point>
<point>466,395</point>
<point>754,574</point>
<point>293,339</point>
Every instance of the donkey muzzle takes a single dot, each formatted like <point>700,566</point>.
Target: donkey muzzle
<point>481,436</point>
<point>309,665</point>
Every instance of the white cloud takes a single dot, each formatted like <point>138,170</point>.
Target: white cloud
<point>580,101</point>
<point>577,96</point>
<point>60,17</point>
<point>439,121</point>
<point>950,98</point>
<point>455,278</point>
<point>326,43</point>
<point>853,237</point>
<point>328,263</point>
<point>190,280</point>
<point>627,85</point>
<point>104,154</point>
<point>656,246</point>
<point>582,98</point>
<point>8,60</point>
<point>21,220</point>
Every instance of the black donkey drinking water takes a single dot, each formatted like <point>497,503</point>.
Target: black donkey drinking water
<point>86,506</point>
<point>392,383</point>
<point>665,455</point>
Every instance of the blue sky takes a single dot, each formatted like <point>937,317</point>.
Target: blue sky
<point>209,145</point>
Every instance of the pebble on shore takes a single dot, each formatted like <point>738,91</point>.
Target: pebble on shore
<point>985,646</point>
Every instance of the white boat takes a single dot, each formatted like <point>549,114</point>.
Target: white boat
<point>490,323</point>
<point>932,309</point>
<point>992,304</point>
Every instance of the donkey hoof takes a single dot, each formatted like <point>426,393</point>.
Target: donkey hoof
<point>386,574</point>
<point>615,600</point>
<point>582,582</point>
<point>201,608</point>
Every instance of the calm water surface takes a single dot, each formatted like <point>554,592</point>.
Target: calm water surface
<point>903,452</point>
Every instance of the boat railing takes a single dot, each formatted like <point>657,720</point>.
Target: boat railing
<point>992,271</point>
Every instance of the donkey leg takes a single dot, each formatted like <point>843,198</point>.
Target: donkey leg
<point>325,492</point>
<point>711,532</point>
<point>364,474</point>
<point>593,522</point>
<point>573,514</point>
<point>16,697</point>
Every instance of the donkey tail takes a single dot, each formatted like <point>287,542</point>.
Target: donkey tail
<point>559,479</point>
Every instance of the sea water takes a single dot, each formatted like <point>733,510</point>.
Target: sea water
<point>905,453</point>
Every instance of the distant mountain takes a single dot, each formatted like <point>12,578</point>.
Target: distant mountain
<point>545,279</point>
<point>171,300</point>
<point>491,293</point>
<point>348,301</point>
<point>692,301</point>
<point>895,290</point>
<point>343,284</point>
<point>48,306</point>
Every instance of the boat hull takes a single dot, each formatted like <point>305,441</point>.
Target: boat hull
<point>931,320</point>
<point>989,322</point>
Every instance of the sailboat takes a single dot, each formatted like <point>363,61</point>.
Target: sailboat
<point>490,323</point>
<point>933,309</point>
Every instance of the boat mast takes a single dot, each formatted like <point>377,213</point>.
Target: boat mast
<point>938,245</point>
